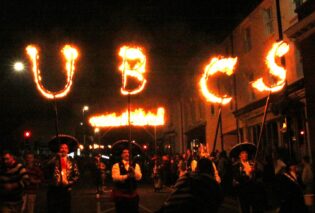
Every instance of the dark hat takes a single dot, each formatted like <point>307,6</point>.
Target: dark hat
<point>250,148</point>
<point>56,141</point>
<point>291,162</point>
<point>121,145</point>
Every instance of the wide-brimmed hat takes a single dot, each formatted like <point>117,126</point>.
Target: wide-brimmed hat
<point>250,148</point>
<point>56,141</point>
<point>120,145</point>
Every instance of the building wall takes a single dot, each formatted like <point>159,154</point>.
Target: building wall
<point>262,30</point>
<point>251,65</point>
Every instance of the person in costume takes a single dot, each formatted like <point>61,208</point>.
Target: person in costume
<point>62,173</point>
<point>249,191</point>
<point>125,175</point>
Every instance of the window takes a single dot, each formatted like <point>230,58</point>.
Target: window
<point>202,111</point>
<point>251,92</point>
<point>268,21</point>
<point>192,110</point>
<point>247,40</point>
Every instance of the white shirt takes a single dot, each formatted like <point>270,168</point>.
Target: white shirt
<point>118,177</point>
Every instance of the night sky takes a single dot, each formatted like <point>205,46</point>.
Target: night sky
<point>173,33</point>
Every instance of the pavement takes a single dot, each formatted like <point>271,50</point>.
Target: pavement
<point>85,200</point>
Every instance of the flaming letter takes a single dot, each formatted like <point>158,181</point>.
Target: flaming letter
<point>70,55</point>
<point>135,69</point>
<point>224,65</point>
<point>279,49</point>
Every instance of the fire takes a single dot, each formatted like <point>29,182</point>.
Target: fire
<point>224,65</point>
<point>70,54</point>
<point>138,117</point>
<point>278,49</point>
<point>133,65</point>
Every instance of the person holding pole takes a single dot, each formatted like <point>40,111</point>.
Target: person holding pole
<point>125,175</point>
<point>62,173</point>
<point>250,193</point>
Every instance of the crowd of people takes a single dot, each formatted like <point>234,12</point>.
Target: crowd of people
<point>279,185</point>
<point>198,181</point>
<point>20,181</point>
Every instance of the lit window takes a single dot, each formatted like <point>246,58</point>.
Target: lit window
<point>247,40</point>
<point>268,21</point>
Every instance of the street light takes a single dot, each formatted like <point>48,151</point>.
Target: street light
<point>18,66</point>
<point>84,108</point>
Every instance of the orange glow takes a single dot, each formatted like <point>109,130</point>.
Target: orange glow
<point>70,54</point>
<point>224,65</point>
<point>138,117</point>
<point>133,65</point>
<point>278,49</point>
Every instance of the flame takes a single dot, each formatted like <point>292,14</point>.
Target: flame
<point>134,70</point>
<point>278,49</point>
<point>138,117</point>
<point>70,54</point>
<point>224,65</point>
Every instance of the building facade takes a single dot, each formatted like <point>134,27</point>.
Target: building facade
<point>288,124</point>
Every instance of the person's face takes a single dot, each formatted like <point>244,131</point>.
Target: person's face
<point>8,159</point>
<point>188,153</point>
<point>243,156</point>
<point>125,155</point>
<point>63,150</point>
<point>29,159</point>
<point>293,168</point>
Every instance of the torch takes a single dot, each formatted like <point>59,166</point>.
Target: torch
<point>70,55</point>
<point>132,66</point>
<point>279,49</point>
<point>226,66</point>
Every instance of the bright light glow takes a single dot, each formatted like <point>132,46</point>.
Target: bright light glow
<point>85,108</point>
<point>278,49</point>
<point>70,54</point>
<point>138,117</point>
<point>18,66</point>
<point>105,157</point>
<point>133,65</point>
<point>96,146</point>
<point>109,146</point>
<point>224,65</point>
<point>96,130</point>
<point>81,147</point>
<point>27,134</point>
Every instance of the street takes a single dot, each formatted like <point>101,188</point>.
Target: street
<point>84,200</point>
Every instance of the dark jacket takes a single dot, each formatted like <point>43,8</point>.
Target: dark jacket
<point>53,174</point>
<point>194,193</point>
<point>292,199</point>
